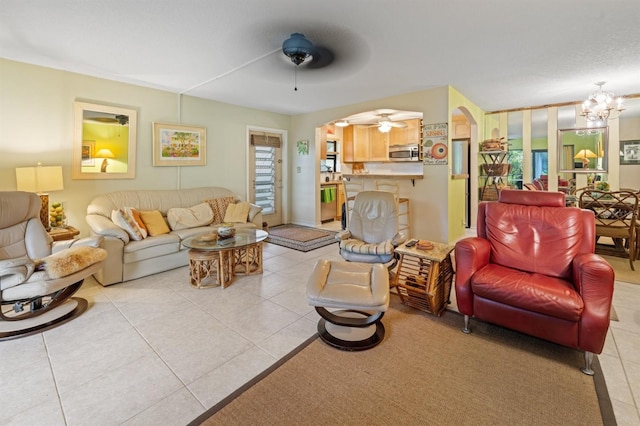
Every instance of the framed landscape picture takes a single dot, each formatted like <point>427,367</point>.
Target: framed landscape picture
<point>88,150</point>
<point>630,152</point>
<point>178,145</point>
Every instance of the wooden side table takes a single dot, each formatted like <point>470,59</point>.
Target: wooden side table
<point>61,234</point>
<point>424,277</point>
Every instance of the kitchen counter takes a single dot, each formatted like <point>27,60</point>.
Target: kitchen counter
<point>331,182</point>
<point>385,175</point>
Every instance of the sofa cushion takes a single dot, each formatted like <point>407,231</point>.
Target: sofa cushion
<point>128,223</point>
<point>219,207</point>
<point>237,212</point>
<point>192,217</point>
<point>529,291</point>
<point>154,222</point>
<point>151,247</point>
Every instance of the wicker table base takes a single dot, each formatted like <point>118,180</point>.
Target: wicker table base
<point>210,268</point>
<point>424,277</point>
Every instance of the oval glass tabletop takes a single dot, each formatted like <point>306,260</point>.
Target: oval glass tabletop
<point>242,238</point>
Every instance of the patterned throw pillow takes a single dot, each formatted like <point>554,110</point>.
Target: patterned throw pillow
<point>357,246</point>
<point>133,214</point>
<point>219,207</point>
<point>126,222</point>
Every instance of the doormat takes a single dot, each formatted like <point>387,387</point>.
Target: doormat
<point>301,238</point>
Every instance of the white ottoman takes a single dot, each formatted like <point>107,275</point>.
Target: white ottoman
<point>360,292</point>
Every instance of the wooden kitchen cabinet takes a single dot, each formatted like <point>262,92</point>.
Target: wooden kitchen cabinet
<point>407,135</point>
<point>378,145</point>
<point>364,143</point>
<point>340,202</point>
<point>321,137</point>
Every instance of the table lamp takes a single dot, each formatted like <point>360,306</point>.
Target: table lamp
<point>104,153</point>
<point>584,155</point>
<point>40,180</point>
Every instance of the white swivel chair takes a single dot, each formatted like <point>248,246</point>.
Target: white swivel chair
<point>39,276</point>
<point>371,236</point>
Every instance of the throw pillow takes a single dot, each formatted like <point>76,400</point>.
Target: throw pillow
<point>138,219</point>
<point>126,222</point>
<point>135,216</point>
<point>154,222</point>
<point>219,207</point>
<point>237,212</point>
<point>181,218</point>
<point>253,211</point>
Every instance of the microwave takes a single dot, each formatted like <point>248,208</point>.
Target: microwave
<point>410,152</point>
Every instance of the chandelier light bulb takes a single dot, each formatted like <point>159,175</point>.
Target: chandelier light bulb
<point>597,108</point>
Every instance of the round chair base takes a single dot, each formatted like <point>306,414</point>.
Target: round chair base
<point>67,311</point>
<point>351,330</point>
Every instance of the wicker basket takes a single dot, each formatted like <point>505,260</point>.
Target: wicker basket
<point>501,169</point>
<point>493,145</point>
<point>419,288</point>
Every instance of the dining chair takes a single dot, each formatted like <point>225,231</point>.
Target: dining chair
<point>351,188</point>
<point>402,204</point>
<point>616,214</point>
<point>529,186</point>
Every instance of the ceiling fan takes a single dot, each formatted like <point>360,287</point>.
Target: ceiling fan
<point>108,119</point>
<point>385,123</point>
<point>301,51</point>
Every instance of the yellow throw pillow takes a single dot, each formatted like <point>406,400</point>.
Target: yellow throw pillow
<point>154,222</point>
<point>237,212</point>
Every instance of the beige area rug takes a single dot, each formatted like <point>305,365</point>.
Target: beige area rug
<point>300,238</point>
<point>426,371</point>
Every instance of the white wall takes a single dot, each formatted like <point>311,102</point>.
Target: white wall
<point>36,125</point>
<point>629,173</point>
<point>428,197</point>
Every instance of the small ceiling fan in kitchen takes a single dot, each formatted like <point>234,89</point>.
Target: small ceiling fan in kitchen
<point>385,123</point>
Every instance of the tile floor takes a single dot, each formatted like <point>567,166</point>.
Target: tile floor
<point>155,351</point>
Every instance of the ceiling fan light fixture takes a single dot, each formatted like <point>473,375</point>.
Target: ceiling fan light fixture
<point>384,127</point>
<point>297,48</point>
<point>342,123</point>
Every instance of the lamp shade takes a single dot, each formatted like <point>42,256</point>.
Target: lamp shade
<point>39,179</point>
<point>104,153</point>
<point>585,153</point>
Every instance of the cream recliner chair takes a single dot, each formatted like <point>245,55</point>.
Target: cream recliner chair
<point>39,276</point>
<point>371,235</point>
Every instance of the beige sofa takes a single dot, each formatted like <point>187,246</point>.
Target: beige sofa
<point>128,259</point>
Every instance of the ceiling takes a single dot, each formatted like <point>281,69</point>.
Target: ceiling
<point>500,54</point>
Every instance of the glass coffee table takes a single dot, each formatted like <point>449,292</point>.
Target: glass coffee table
<point>214,262</point>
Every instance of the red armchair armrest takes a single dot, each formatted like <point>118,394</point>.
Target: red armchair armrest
<point>471,254</point>
<point>593,278</point>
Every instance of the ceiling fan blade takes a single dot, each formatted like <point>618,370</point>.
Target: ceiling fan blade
<point>399,124</point>
<point>321,58</point>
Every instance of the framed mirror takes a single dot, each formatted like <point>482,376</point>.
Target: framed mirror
<point>583,150</point>
<point>104,142</point>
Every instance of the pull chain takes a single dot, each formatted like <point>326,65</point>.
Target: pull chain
<point>295,79</point>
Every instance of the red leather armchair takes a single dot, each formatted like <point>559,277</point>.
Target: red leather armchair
<point>532,268</point>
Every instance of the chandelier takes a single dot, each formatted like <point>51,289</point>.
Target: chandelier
<point>597,108</point>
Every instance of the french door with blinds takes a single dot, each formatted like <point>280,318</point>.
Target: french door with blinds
<point>265,158</point>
